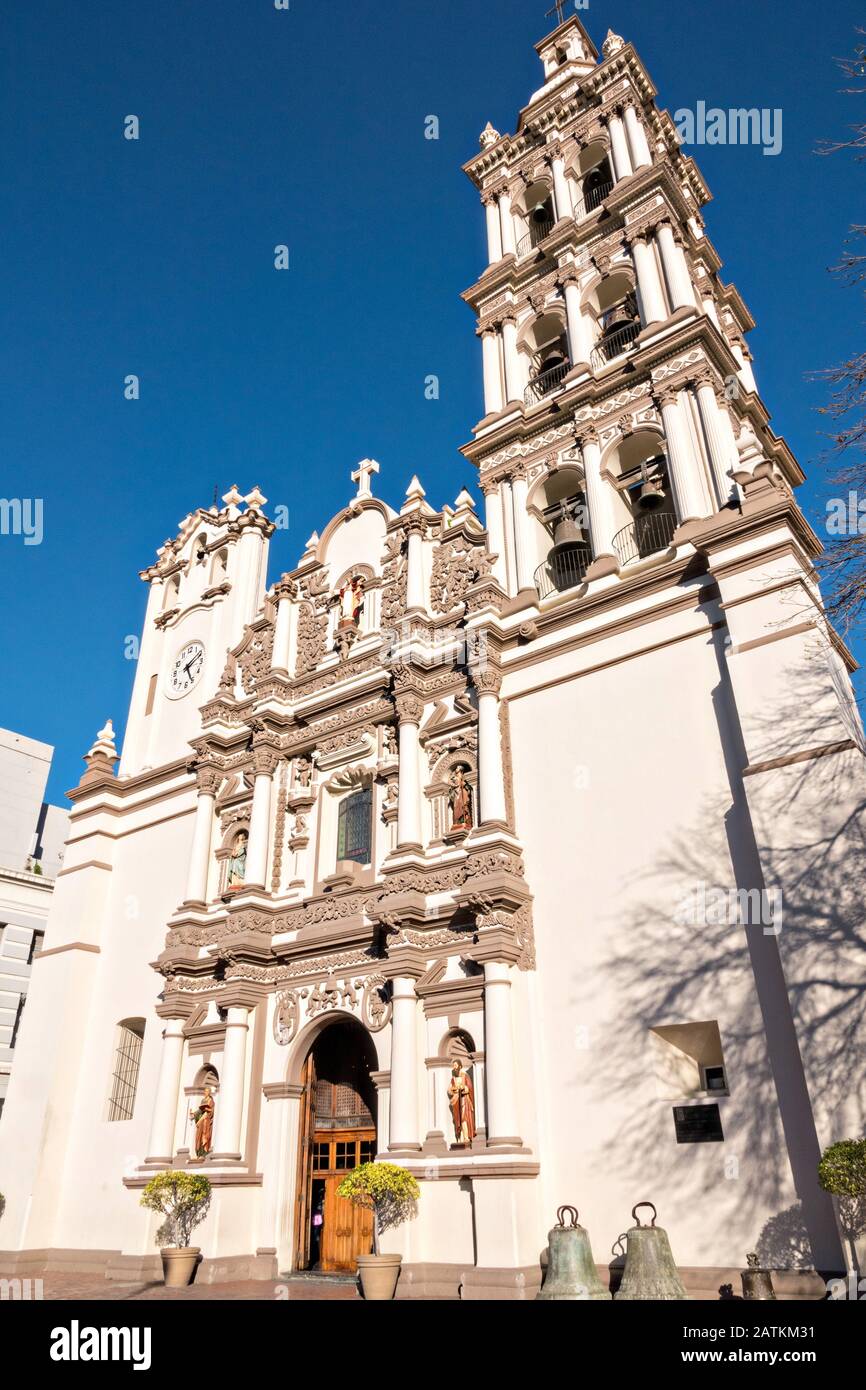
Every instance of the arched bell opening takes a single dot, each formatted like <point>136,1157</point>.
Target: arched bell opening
<point>545,342</point>
<point>617,317</point>
<point>558,506</point>
<point>593,177</point>
<point>535,216</point>
<point>645,500</point>
<point>337,1134</point>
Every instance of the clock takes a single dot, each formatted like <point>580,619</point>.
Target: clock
<point>186,670</point>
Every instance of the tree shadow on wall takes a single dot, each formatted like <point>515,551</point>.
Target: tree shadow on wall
<point>799,997</point>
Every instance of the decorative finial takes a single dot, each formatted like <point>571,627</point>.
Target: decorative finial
<point>231,499</point>
<point>415,492</point>
<point>255,500</point>
<point>102,756</point>
<point>612,44</point>
<point>362,476</point>
<point>488,137</point>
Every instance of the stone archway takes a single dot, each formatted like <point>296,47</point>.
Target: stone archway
<point>337,1133</point>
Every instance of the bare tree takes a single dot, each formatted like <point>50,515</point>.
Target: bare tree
<point>843,564</point>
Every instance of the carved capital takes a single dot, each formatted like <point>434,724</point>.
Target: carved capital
<point>285,588</point>
<point>207,779</point>
<point>265,759</point>
<point>410,708</point>
<point>487,680</point>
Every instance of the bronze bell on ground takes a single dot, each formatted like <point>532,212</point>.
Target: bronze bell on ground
<point>757,1282</point>
<point>650,1272</point>
<point>571,1271</point>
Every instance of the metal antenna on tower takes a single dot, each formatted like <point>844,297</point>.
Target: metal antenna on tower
<point>558,11</point>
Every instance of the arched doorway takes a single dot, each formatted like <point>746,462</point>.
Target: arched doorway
<point>338,1132</point>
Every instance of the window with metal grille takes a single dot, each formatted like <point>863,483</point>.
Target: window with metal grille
<point>124,1076</point>
<point>354,827</point>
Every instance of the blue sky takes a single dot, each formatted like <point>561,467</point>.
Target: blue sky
<point>306,127</point>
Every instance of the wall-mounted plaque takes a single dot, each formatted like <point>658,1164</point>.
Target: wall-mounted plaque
<point>698,1124</point>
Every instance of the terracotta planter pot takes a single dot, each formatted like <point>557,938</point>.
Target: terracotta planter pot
<point>379,1275</point>
<point>178,1264</point>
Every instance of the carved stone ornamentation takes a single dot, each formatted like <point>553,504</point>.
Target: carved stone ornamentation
<point>287,1015</point>
<point>410,708</point>
<point>330,995</point>
<point>254,655</point>
<point>376,1003</point>
<point>455,567</point>
<point>312,630</point>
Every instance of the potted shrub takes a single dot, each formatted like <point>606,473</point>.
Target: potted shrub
<point>391,1193</point>
<point>842,1171</point>
<point>183,1199</point>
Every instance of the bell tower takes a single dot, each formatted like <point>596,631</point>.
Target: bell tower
<point>619,401</point>
<point>206,584</point>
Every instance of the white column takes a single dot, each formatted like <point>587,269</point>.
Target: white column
<point>508,524</point>
<point>264,762</point>
<point>230,1101</point>
<point>580,341</point>
<point>619,148</point>
<point>491,361</point>
<point>683,466</point>
<point>597,498</point>
<point>561,195</point>
<point>403,1129</point>
<point>745,373</point>
<point>502,1122</point>
<point>414,565</point>
<point>494,229</point>
<point>512,362</point>
<point>519,494</point>
<point>199,855</point>
<point>648,281</point>
<point>720,461</point>
<point>495,532</point>
<point>506,224</point>
<point>638,143</point>
<point>491,783</point>
<point>410,710</point>
<point>282,627</point>
<point>676,271</point>
<point>160,1147</point>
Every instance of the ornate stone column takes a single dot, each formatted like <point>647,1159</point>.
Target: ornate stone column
<point>491,783</point>
<point>513,390</point>
<point>675,268</point>
<point>199,856</point>
<point>160,1148</point>
<point>410,710</point>
<point>264,763</point>
<point>495,531</point>
<point>648,280</point>
<point>414,524</point>
<point>599,505</point>
<point>506,224</point>
<point>580,342</point>
<point>491,358</point>
<point>494,228</point>
<point>230,1105</point>
<point>721,462</point>
<point>519,494</point>
<point>681,461</point>
<point>619,147</point>
<point>284,592</point>
<point>403,1118</point>
<point>561,195</point>
<point>496,952</point>
<point>638,143</point>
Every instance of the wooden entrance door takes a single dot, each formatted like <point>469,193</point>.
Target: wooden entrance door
<point>338,1133</point>
<point>340,1231</point>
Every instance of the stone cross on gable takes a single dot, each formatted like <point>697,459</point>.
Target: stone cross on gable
<point>362,475</point>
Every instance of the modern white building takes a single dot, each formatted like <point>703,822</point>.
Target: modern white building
<point>641,928</point>
<point>32,836</point>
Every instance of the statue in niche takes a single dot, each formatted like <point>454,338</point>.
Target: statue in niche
<point>461,1099</point>
<point>203,1118</point>
<point>303,772</point>
<point>237,871</point>
<point>351,601</point>
<point>460,800</point>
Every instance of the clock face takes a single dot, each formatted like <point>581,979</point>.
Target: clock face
<point>186,671</point>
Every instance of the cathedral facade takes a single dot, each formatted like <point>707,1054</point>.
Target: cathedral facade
<point>561,800</point>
